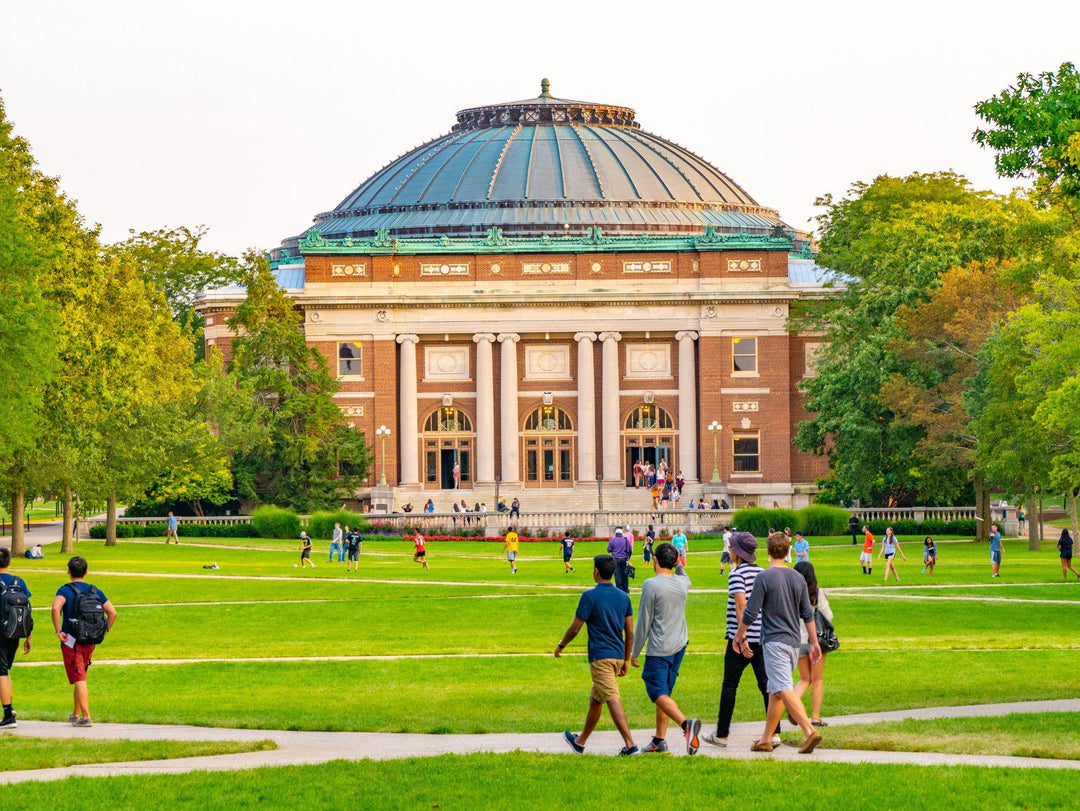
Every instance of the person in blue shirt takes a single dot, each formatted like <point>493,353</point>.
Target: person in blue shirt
<point>172,525</point>
<point>607,613</point>
<point>9,647</point>
<point>678,540</point>
<point>567,544</point>
<point>995,551</point>
<point>801,548</point>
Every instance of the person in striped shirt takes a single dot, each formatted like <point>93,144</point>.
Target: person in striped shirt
<point>740,583</point>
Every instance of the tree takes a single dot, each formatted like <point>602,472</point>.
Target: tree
<point>294,449</point>
<point>893,239</point>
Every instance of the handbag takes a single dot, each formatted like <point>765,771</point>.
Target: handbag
<point>826,633</point>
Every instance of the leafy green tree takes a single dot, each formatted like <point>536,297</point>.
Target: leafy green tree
<point>295,451</point>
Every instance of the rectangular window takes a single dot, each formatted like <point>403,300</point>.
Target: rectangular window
<point>744,355</point>
<point>349,357</point>
<point>746,452</point>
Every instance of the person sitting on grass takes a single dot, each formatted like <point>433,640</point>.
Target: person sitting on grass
<point>1065,550</point>
<point>607,613</point>
<point>929,556</point>
<point>662,621</point>
<point>781,598</point>
<point>35,552</point>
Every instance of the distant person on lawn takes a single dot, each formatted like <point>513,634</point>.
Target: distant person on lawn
<point>678,540</point>
<point>866,558</point>
<point>305,551</point>
<point>662,622</point>
<point>81,615</point>
<point>853,528</point>
<point>781,598</point>
<point>1065,552</point>
<point>9,647</point>
<point>567,544</point>
<point>510,544</point>
<point>420,550</point>
<point>607,613</point>
<point>890,546</point>
<point>929,556</point>
<point>801,548</point>
<point>35,552</point>
<point>336,544</point>
<point>995,551</point>
<point>353,544</point>
<point>621,550</point>
<point>171,527</point>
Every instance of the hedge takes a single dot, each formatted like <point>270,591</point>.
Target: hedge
<point>132,530</point>
<point>932,526</point>
<point>821,520</point>
<point>321,524</point>
<point>758,520</point>
<point>275,522</point>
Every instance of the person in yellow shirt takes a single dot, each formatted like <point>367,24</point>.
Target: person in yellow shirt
<point>510,544</point>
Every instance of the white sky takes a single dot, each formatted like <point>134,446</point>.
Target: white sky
<point>251,117</point>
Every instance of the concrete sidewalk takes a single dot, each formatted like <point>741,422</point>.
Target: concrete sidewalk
<point>304,748</point>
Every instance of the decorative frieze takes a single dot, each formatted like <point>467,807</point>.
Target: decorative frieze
<point>744,406</point>
<point>648,360</point>
<point>446,363</point>
<point>647,267</point>
<point>744,265</point>
<point>344,270</point>
<point>544,268</point>
<point>547,362</point>
<point>445,270</point>
<point>352,411</point>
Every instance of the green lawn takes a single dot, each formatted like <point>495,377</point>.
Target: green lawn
<point>516,781</point>
<point>22,752</point>
<point>1041,735</point>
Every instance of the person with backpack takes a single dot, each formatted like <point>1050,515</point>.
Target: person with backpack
<point>16,623</point>
<point>81,615</point>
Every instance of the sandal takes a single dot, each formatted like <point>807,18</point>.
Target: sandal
<point>818,723</point>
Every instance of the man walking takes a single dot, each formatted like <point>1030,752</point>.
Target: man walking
<point>662,622</point>
<point>781,598</point>
<point>995,551</point>
<point>853,528</point>
<point>171,526</point>
<point>866,559</point>
<point>15,624</point>
<point>81,615</point>
<point>567,544</point>
<point>336,545</point>
<point>744,572</point>
<point>608,615</point>
<point>511,543</point>
<point>353,545</point>
<point>621,551</point>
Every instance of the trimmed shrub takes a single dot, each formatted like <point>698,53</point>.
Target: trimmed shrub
<point>757,520</point>
<point>932,526</point>
<point>321,524</point>
<point>819,520</point>
<point>275,522</point>
<point>963,526</point>
<point>157,530</point>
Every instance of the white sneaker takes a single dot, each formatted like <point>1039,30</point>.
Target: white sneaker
<point>776,741</point>
<point>714,739</point>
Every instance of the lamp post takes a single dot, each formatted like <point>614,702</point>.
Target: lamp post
<point>715,428</point>
<point>383,432</point>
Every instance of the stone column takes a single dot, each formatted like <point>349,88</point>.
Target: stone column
<point>609,414</point>
<point>485,409</point>
<point>408,428</point>
<point>586,407</point>
<point>688,425</point>
<point>509,407</point>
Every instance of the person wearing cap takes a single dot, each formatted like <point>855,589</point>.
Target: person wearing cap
<point>743,551</point>
<point>621,549</point>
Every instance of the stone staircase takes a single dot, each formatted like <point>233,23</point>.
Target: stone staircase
<point>541,499</point>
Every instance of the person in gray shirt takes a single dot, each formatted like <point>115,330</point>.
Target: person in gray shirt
<point>662,621</point>
<point>781,598</point>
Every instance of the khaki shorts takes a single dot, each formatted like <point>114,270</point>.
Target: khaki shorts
<point>605,684</point>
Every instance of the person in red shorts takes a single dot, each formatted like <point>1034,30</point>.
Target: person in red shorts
<point>76,656</point>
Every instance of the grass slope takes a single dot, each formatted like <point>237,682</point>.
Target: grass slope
<point>22,752</point>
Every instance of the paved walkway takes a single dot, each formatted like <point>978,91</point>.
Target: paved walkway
<point>303,748</point>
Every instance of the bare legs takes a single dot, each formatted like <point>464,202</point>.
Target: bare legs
<point>778,702</point>
<point>667,708</point>
<point>618,715</point>
<point>1066,563</point>
<point>82,700</point>
<point>812,677</point>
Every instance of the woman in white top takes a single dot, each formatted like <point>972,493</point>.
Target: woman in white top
<point>812,675</point>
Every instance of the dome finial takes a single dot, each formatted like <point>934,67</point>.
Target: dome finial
<point>545,87</point>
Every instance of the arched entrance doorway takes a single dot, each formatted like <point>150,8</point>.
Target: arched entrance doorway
<point>548,445</point>
<point>648,437</point>
<point>448,442</point>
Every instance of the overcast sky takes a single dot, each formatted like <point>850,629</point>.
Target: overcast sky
<point>251,117</point>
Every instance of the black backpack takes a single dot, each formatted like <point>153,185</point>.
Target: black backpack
<point>16,621</point>
<point>826,633</point>
<point>88,615</point>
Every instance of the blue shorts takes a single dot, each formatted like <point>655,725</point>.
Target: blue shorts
<point>660,673</point>
<point>995,557</point>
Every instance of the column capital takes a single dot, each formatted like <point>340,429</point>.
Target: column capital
<point>686,335</point>
<point>408,339</point>
<point>610,336</point>
<point>585,336</point>
<point>484,336</point>
<point>513,337</point>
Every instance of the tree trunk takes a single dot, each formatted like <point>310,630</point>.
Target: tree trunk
<point>982,510</point>
<point>110,520</point>
<point>67,542</point>
<point>18,522</point>
<point>1032,521</point>
<point>1072,515</point>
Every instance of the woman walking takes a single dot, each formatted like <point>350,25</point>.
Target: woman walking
<point>929,556</point>
<point>890,545</point>
<point>1065,549</point>
<point>812,675</point>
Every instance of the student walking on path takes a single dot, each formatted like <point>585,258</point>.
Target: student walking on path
<point>890,545</point>
<point>621,550</point>
<point>781,598</point>
<point>171,527</point>
<point>607,613</point>
<point>812,675</point>
<point>1065,550</point>
<point>81,615</point>
<point>662,622</point>
<point>744,572</point>
<point>995,551</point>
<point>511,543</point>
<point>16,625</point>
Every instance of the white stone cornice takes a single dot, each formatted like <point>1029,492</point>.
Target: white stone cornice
<point>408,338</point>
<point>610,336</point>
<point>484,336</point>
<point>585,336</point>
<point>693,336</point>
<point>509,336</point>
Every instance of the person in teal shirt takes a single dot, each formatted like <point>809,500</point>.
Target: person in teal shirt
<point>801,547</point>
<point>678,540</point>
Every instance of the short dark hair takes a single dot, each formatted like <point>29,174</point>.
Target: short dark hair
<point>77,566</point>
<point>605,566</point>
<point>666,555</point>
<point>5,557</point>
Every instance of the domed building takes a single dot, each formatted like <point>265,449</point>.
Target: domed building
<point>547,296</point>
